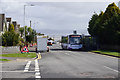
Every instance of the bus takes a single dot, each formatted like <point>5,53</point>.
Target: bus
<point>72,42</point>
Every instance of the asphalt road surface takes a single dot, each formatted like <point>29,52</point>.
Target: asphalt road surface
<point>60,63</point>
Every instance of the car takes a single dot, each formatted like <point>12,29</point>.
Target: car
<point>49,43</point>
<point>31,45</point>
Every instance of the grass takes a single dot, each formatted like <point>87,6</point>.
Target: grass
<point>108,52</point>
<point>25,55</point>
<point>4,60</point>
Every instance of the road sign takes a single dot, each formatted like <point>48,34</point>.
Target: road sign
<point>25,49</point>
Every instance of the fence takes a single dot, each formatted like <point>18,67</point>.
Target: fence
<point>110,47</point>
<point>90,43</point>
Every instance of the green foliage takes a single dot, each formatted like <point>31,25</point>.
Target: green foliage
<point>29,38</point>
<point>11,27</point>
<point>29,29</point>
<point>40,34</point>
<point>105,26</point>
<point>64,40</point>
<point>30,55</point>
<point>30,34</point>
<point>107,52</point>
<point>4,60</point>
<point>10,38</point>
<point>26,32</point>
<point>21,42</point>
<point>21,30</point>
<point>92,24</point>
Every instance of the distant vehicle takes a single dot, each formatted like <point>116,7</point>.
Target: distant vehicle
<point>49,43</point>
<point>73,41</point>
<point>42,44</point>
<point>53,42</point>
<point>31,45</point>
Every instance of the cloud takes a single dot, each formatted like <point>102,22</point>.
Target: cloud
<point>54,17</point>
<point>60,0</point>
<point>13,9</point>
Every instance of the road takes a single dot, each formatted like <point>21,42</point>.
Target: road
<point>60,63</point>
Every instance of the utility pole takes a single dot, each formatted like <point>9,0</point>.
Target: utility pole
<point>24,23</point>
<point>24,20</point>
<point>30,23</point>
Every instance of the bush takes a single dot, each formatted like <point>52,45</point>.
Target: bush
<point>10,38</point>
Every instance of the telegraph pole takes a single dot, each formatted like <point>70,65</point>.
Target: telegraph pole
<point>30,23</point>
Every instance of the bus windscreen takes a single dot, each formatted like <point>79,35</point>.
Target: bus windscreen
<point>75,39</point>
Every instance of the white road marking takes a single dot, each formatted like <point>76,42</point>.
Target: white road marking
<point>67,54</point>
<point>27,66</point>
<point>16,71</point>
<point>37,74</point>
<point>37,70</point>
<point>112,69</point>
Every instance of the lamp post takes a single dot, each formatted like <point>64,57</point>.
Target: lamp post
<point>24,20</point>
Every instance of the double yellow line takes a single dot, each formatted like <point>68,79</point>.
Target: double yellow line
<point>39,56</point>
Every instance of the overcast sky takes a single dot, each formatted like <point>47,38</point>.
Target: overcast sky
<point>54,18</point>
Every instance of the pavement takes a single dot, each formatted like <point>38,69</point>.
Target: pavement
<point>63,64</point>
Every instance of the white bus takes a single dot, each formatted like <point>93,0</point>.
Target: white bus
<point>73,41</point>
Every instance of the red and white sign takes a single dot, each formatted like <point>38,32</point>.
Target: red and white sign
<point>25,49</point>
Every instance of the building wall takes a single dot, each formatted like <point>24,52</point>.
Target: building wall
<point>8,21</point>
<point>2,18</point>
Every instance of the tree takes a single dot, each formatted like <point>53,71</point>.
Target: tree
<point>105,26</point>
<point>29,29</point>
<point>92,24</point>
<point>30,34</point>
<point>21,29</point>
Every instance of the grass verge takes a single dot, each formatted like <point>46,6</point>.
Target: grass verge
<point>25,55</point>
<point>107,52</point>
<point>4,60</point>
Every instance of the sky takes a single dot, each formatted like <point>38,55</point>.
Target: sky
<point>52,17</point>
